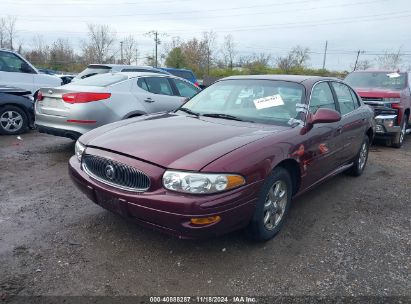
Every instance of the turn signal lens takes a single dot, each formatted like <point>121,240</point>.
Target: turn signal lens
<point>205,220</point>
<point>234,181</point>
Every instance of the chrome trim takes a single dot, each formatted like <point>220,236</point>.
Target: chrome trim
<point>383,116</point>
<point>103,181</point>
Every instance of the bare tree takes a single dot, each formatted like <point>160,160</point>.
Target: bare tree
<point>129,49</point>
<point>298,57</point>
<point>362,65</point>
<point>229,51</point>
<point>61,54</point>
<point>8,31</point>
<point>2,32</point>
<point>39,53</point>
<point>101,40</point>
<point>390,61</point>
<point>209,41</point>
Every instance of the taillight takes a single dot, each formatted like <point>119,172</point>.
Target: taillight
<point>40,96</point>
<point>84,97</point>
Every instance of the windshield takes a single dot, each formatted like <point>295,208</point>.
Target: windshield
<point>392,81</point>
<point>101,80</point>
<point>262,101</point>
<point>91,71</point>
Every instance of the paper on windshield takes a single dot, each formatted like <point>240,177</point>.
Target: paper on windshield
<point>393,75</point>
<point>268,102</point>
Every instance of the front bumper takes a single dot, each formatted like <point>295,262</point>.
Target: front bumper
<point>386,126</point>
<point>171,212</point>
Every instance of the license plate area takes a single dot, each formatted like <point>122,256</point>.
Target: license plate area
<point>111,203</point>
<point>51,103</point>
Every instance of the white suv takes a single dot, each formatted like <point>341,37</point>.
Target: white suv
<point>15,71</point>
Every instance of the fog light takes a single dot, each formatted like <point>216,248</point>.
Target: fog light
<point>205,220</point>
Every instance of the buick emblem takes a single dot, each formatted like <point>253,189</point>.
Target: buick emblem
<point>110,173</point>
<point>50,92</point>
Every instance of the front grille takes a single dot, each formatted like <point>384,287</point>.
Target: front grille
<point>115,174</point>
<point>372,98</point>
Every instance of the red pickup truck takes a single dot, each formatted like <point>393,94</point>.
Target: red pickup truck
<point>389,94</point>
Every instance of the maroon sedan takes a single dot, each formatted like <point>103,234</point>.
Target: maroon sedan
<point>231,157</point>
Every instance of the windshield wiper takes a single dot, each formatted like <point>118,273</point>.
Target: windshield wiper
<point>224,116</point>
<point>188,111</point>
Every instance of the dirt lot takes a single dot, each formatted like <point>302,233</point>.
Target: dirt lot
<point>350,236</point>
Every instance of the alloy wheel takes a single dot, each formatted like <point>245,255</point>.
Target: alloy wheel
<point>11,121</point>
<point>275,204</point>
<point>363,156</point>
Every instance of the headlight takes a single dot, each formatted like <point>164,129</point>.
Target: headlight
<point>201,183</point>
<point>79,150</point>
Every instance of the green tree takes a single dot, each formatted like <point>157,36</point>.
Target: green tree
<point>176,58</point>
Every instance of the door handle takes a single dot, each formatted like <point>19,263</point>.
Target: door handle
<point>148,99</point>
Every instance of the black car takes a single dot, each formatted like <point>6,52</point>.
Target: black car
<point>16,110</point>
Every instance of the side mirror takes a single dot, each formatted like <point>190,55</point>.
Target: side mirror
<point>324,115</point>
<point>25,68</point>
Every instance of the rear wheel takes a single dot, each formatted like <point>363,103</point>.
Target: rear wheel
<point>272,206</point>
<point>13,120</point>
<point>361,159</point>
<point>399,138</point>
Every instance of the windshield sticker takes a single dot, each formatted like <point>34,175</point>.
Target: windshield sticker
<point>268,102</point>
<point>393,75</point>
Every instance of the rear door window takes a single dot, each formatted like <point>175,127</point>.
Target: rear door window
<point>185,89</point>
<point>344,97</point>
<point>158,85</point>
<point>321,97</point>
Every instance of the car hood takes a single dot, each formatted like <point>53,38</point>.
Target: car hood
<point>177,141</point>
<point>378,92</point>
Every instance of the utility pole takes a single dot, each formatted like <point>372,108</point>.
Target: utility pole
<point>157,41</point>
<point>356,60</point>
<point>121,47</point>
<point>325,53</point>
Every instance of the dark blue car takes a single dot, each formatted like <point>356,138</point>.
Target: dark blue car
<point>183,73</point>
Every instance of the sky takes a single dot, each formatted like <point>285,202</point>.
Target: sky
<point>259,26</point>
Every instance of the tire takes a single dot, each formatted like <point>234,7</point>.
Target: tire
<point>361,159</point>
<point>399,138</point>
<point>13,120</point>
<point>272,207</point>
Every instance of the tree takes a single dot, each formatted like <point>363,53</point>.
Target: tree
<point>362,65</point>
<point>256,63</point>
<point>39,53</point>
<point>390,61</point>
<point>8,31</point>
<point>2,32</point>
<point>129,49</point>
<point>61,54</point>
<point>298,57</point>
<point>195,55</point>
<point>176,58</point>
<point>229,51</point>
<point>208,42</point>
<point>101,40</point>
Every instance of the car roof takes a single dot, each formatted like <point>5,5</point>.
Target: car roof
<point>175,69</point>
<point>112,65</point>
<point>291,78</point>
<point>378,71</point>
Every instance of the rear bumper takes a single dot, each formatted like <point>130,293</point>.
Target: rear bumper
<point>59,132</point>
<point>235,208</point>
<point>59,126</point>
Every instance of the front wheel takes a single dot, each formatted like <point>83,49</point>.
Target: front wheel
<point>13,120</point>
<point>272,206</point>
<point>361,159</point>
<point>398,140</point>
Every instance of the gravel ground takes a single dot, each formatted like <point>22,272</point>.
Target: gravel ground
<point>348,237</point>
